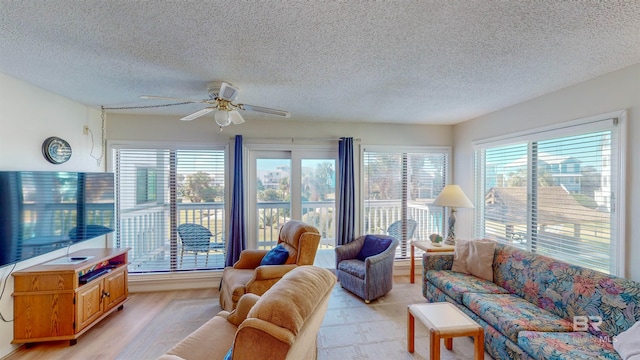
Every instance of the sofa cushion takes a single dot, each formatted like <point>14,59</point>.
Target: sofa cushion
<point>455,284</point>
<point>566,345</point>
<point>353,267</point>
<point>511,314</point>
<point>373,245</point>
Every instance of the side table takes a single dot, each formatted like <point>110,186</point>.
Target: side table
<point>428,247</point>
<point>444,321</point>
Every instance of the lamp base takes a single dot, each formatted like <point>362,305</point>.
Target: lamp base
<point>450,241</point>
<point>451,236</point>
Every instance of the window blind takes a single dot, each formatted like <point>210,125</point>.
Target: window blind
<point>159,189</point>
<point>399,187</point>
<point>555,195</point>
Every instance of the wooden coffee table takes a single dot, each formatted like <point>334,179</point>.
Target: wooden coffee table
<point>444,321</point>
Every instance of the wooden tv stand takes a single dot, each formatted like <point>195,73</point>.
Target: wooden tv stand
<point>63,298</point>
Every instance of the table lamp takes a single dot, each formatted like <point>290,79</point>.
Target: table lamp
<point>453,197</point>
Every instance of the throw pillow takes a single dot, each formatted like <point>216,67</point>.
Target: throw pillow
<point>276,256</point>
<point>460,255</point>
<point>480,260</point>
<point>475,258</point>
<point>229,355</point>
<point>627,343</point>
<point>373,245</point>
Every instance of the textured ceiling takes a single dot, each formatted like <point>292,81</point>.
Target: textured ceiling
<point>424,62</point>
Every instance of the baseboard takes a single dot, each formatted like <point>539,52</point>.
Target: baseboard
<point>403,268</point>
<point>211,279</point>
<point>174,281</point>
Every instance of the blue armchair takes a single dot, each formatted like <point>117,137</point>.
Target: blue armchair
<point>365,265</point>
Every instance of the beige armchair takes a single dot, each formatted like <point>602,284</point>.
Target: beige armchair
<point>248,276</point>
<point>283,323</point>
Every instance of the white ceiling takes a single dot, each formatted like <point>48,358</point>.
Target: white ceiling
<point>423,62</point>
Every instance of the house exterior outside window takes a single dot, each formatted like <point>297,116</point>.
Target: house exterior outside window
<point>399,186</point>
<point>159,188</point>
<point>556,191</point>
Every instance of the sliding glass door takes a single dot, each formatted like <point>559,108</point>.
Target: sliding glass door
<point>291,184</point>
<point>158,190</point>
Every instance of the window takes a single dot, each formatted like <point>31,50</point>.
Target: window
<point>553,191</point>
<point>399,186</point>
<point>158,189</point>
<point>292,183</point>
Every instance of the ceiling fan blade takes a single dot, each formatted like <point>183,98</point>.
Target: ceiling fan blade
<point>197,114</point>
<point>171,99</point>
<point>264,110</point>
<point>235,117</point>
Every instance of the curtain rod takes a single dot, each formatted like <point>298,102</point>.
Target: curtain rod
<point>293,140</point>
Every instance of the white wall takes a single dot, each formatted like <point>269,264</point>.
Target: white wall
<point>204,130</point>
<point>616,91</point>
<point>28,115</point>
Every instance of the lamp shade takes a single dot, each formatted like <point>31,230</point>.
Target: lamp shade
<point>453,196</point>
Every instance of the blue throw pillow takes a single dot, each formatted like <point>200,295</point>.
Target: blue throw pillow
<point>373,245</point>
<point>276,256</point>
<point>229,354</point>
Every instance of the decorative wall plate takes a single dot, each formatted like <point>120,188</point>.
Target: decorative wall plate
<point>56,150</point>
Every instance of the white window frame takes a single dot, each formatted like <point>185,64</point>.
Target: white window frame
<point>298,152</point>
<point>568,128</point>
<point>123,144</point>
<point>397,149</point>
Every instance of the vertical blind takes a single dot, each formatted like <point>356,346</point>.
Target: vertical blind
<point>399,187</point>
<point>158,190</point>
<point>554,195</point>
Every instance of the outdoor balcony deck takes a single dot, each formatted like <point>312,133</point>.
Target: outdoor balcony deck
<point>155,248</point>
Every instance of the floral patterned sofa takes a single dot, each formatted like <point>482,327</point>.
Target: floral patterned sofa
<point>528,310</point>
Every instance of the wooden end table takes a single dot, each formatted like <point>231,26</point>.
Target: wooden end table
<point>444,321</point>
<point>428,247</point>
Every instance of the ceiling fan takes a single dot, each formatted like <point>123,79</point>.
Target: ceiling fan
<point>221,97</point>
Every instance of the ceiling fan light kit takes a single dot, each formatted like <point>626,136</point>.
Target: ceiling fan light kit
<point>225,112</point>
<point>222,118</point>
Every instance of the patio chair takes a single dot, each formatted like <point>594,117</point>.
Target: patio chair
<point>196,238</point>
<point>395,229</point>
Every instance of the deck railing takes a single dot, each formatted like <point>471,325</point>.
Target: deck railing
<point>147,230</point>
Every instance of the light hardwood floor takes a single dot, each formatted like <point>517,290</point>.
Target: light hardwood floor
<point>351,329</point>
<point>109,337</point>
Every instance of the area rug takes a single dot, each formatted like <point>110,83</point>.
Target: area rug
<point>179,319</point>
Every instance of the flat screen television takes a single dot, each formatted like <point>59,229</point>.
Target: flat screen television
<point>43,211</point>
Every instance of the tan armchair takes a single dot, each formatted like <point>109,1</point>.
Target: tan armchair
<point>281,324</point>
<point>247,276</point>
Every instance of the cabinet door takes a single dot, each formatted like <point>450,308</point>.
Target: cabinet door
<point>39,316</point>
<point>115,288</point>
<point>88,304</point>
